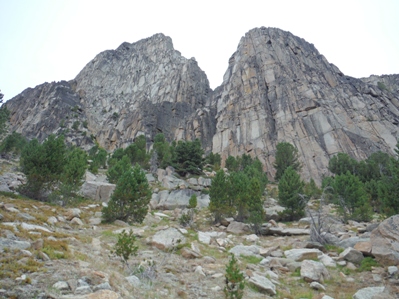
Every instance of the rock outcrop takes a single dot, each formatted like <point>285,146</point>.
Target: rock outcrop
<point>277,87</point>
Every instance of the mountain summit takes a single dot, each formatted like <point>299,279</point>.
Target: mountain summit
<point>277,87</point>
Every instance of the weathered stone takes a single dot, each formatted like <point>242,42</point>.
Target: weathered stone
<point>189,253</point>
<point>263,284</point>
<point>167,239</point>
<point>352,255</point>
<point>166,200</point>
<point>385,242</point>
<point>205,237</point>
<point>99,191</point>
<point>368,293</point>
<point>302,254</point>
<point>317,286</point>
<point>134,281</point>
<point>61,285</point>
<point>363,247</point>
<point>72,213</point>
<point>236,227</point>
<point>252,250</point>
<point>13,244</point>
<point>314,271</point>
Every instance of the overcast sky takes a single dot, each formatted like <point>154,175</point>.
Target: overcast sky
<point>52,40</point>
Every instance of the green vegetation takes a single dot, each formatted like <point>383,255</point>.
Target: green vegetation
<point>13,144</point>
<point>366,264</point>
<point>188,157</point>
<point>124,247</point>
<point>286,156</point>
<point>98,156</point>
<point>290,194</point>
<point>130,199</point>
<point>50,166</point>
<point>4,114</point>
<point>235,282</point>
<point>240,193</point>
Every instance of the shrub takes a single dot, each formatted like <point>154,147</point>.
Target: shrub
<point>117,170</point>
<point>13,144</point>
<point>76,125</point>
<point>188,158</point>
<point>235,282</point>
<point>130,199</point>
<point>125,247</point>
<point>192,203</point>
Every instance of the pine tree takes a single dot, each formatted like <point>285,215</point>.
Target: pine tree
<point>219,204</point>
<point>188,157</point>
<point>290,190</point>
<point>286,156</point>
<point>74,168</point>
<point>130,199</point>
<point>352,198</point>
<point>235,282</point>
<point>255,205</point>
<point>119,168</point>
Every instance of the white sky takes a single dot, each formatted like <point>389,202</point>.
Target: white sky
<point>52,40</point>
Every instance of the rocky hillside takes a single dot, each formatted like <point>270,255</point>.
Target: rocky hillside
<point>48,251</point>
<point>277,87</point>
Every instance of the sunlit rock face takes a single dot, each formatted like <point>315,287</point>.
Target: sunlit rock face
<point>277,87</point>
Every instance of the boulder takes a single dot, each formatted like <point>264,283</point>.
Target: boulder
<point>385,242</point>
<point>99,191</point>
<point>314,271</point>
<point>252,250</point>
<point>167,239</point>
<point>238,228</point>
<point>205,237</point>
<point>263,284</point>
<point>302,254</point>
<point>352,255</point>
<point>170,200</point>
<point>368,293</point>
<point>13,244</point>
<point>364,247</point>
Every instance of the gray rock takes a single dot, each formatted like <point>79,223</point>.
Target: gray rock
<point>167,239</point>
<point>302,254</point>
<point>102,286</point>
<point>251,250</point>
<point>170,200</point>
<point>392,270</point>
<point>238,228</point>
<point>384,242</point>
<point>263,284</point>
<point>350,242</point>
<point>133,280</point>
<point>83,290</point>
<point>368,293</point>
<point>61,285</point>
<point>352,255</point>
<point>317,286</point>
<point>13,244</point>
<point>314,271</point>
<point>25,216</point>
<point>99,191</point>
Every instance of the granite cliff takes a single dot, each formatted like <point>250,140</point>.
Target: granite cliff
<point>277,87</point>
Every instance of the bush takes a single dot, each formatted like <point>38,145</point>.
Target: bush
<point>125,247</point>
<point>13,144</point>
<point>117,170</point>
<point>235,282</point>
<point>130,199</point>
<point>192,203</point>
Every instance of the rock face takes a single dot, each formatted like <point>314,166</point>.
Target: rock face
<point>277,87</point>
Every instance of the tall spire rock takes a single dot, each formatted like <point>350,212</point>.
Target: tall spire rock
<point>278,87</point>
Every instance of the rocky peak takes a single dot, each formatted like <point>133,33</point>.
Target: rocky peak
<point>279,88</point>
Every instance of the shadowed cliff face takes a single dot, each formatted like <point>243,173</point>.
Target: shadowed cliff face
<point>277,88</point>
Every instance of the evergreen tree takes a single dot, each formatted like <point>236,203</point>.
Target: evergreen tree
<point>130,199</point>
<point>232,163</point>
<point>13,144</point>
<point>290,190</point>
<point>74,168</point>
<point>286,156</point>
<point>235,282</point>
<point>352,198</point>
<point>311,190</point>
<point>116,171</point>
<point>255,205</point>
<point>219,204</point>
<point>162,148</point>
<point>388,189</point>
<point>188,157</point>
<point>238,193</point>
